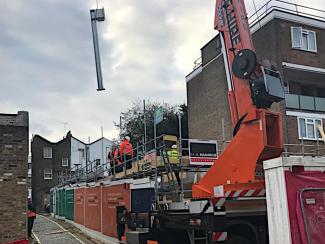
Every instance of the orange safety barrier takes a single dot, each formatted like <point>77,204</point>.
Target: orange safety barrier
<point>112,197</point>
<point>93,208</point>
<point>79,206</point>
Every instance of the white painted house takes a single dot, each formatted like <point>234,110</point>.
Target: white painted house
<point>96,151</point>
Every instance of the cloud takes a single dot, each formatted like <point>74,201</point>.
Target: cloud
<point>47,65</point>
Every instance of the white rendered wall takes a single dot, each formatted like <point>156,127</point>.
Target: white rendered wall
<point>77,153</point>
<point>99,150</point>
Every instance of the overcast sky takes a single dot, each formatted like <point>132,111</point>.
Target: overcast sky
<point>47,60</point>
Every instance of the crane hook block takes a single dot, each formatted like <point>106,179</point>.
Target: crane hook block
<point>244,63</point>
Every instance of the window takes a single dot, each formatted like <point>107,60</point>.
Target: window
<point>47,174</point>
<point>308,128</point>
<point>303,39</point>
<point>65,162</point>
<point>47,152</point>
<point>29,182</point>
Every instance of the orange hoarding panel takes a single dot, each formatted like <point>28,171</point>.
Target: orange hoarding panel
<point>93,208</point>
<point>79,206</point>
<point>114,196</point>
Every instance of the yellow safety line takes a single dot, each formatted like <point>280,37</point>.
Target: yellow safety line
<point>35,237</point>
<point>63,229</point>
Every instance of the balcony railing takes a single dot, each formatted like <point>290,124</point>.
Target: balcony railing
<point>305,102</point>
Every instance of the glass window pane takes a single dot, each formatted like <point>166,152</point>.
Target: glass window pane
<point>304,44</point>
<point>310,131</point>
<point>311,41</point>
<point>302,126</point>
<point>318,122</point>
<point>296,37</point>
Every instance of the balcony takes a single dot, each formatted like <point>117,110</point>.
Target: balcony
<point>305,102</point>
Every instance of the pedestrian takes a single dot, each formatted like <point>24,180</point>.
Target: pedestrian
<point>126,151</point>
<point>31,214</point>
<point>121,222</point>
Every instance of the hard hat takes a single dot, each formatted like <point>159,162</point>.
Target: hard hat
<point>174,146</point>
<point>127,138</point>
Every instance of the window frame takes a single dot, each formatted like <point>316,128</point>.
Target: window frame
<point>303,32</point>
<point>316,133</point>
<point>63,160</point>
<point>48,177</point>
<point>45,155</point>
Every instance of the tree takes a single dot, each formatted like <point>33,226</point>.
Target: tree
<point>133,121</point>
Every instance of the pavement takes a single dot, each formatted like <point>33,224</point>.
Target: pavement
<point>47,230</point>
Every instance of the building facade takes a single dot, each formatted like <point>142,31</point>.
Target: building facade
<point>294,43</point>
<point>49,160</point>
<point>95,151</point>
<point>52,161</point>
<point>13,176</point>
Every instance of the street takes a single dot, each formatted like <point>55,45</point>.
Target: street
<point>48,231</point>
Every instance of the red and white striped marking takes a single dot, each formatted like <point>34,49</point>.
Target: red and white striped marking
<point>246,193</point>
<point>219,236</point>
<point>220,201</point>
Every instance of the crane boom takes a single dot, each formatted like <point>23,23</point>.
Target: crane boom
<point>257,130</point>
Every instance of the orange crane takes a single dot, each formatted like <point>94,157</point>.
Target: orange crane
<point>252,90</point>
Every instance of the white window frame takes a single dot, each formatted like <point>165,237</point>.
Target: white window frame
<point>65,162</point>
<point>315,128</point>
<point>301,33</point>
<point>48,175</point>
<point>47,152</point>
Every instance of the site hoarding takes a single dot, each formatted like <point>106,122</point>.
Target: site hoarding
<point>203,152</point>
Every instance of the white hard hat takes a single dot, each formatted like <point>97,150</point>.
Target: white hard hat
<point>127,138</point>
<point>174,146</point>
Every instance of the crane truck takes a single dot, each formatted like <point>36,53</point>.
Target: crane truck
<point>229,203</point>
<point>249,195</point>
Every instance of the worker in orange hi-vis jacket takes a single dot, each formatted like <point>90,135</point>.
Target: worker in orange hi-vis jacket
<point>126,151</point>
<point>117,161</point>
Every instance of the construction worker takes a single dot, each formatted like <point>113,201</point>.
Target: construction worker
<point>117,161</point>
<point>31,215</point>
<point>173,155</point>
<point>110,159</point>
<point>121,223</point>
<point>126,150</point>
<point>173,152</point>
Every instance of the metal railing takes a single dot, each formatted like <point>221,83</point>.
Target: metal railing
<point>94,171</point>
<point>288,7</point>
<point>147,160</point>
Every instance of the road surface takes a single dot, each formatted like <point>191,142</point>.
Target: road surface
<point>48,231</point>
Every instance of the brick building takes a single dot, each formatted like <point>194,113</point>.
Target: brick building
<point>48,161</point>
<point>51,161</point>
<point>294,42</point>
<point>13,174</point>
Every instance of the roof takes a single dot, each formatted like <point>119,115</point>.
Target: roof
<point>44,139</point>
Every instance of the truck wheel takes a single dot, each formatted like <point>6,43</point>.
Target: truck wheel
<point>238,240</point>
